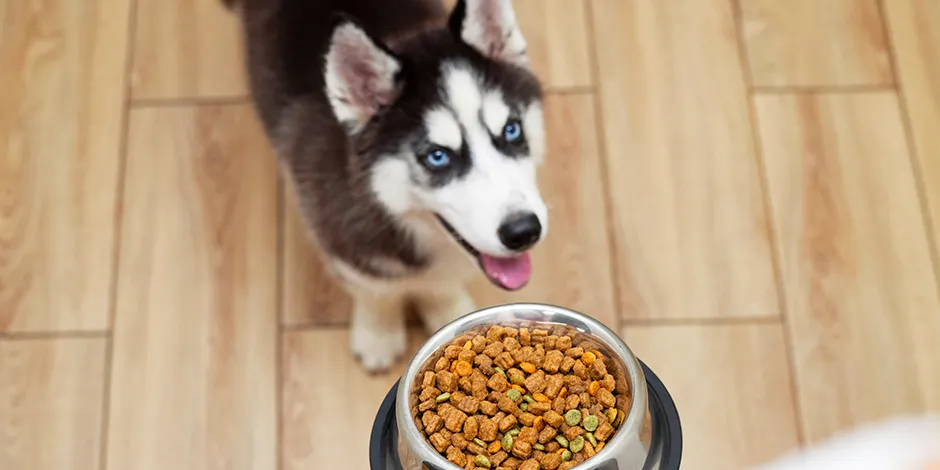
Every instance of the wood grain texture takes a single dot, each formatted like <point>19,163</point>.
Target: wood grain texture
<point>816,43</point>
<point>732,387</point>
<point>194,374</point>
<point>186,49</point>
<point>571,266</point>
<point>915,33</point>
<point>861,294</point>
<point>329,401</point>
<point>51,403</point>
<point>62,89</point>
<point>557,36</point>
<point>691,233</point>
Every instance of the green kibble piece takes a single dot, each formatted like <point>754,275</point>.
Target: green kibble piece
<point>539,447</point>
<point>507,442</point>
<point>529,398</point>
<point>562,440</point>
<point>499,370</point>
<point>513,432</point>
<point>479,442</point>
<point>576,444</point>
<point>443,397</point>
<point>524,407</point>
<point>482,461</point>
<point>590,423</point>
<point>566,455</point>
<point>591,439</point>
<point>514,395</point>
<point>573,417</point>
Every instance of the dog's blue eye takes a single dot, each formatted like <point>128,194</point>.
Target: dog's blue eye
<point>513,131</point>
<point>437,159</point>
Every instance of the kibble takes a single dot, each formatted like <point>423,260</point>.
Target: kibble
<point>519,398</point>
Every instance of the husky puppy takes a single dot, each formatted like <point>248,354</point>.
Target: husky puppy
<point>410,137</point>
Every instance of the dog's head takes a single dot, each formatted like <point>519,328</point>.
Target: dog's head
<point>450,123</point>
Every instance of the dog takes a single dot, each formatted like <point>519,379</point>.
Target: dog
<point>411,137</point>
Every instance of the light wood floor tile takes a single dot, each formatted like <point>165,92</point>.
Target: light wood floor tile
<point>689,223</point>
<point>558,40</point>
<point>50,403</point>
<point>915,32</point>
<point>62,69</point>
<point>186,49</point>
<point>815,42</point>
<point>329,401</point>
<point>861,294</point>
<point>732,387</point>
<point>311,295</point>
<point>571,267</point>
<point>194,382</point>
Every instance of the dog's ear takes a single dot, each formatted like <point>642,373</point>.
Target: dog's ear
<point>490,27</point>
<point>361,74</point>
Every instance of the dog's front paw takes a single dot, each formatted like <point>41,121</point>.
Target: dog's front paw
<point>438,310</point>
<point>378,349</point>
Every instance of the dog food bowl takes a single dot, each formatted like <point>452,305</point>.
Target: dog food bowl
<point>650,437</point>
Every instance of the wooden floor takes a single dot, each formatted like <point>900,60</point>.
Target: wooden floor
<point>749,190</point>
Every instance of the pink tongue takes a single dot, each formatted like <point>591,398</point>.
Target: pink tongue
<point>510,273</point>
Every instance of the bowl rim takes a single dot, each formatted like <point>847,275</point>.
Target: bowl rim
<point>596,329</point>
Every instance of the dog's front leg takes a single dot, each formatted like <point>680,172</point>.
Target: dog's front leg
<point>442,306</point>
<point>378,328</point>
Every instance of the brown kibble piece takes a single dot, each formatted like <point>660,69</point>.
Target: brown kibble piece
<point>539,408</point>
<point>529,435</point>
<point>466,355</point>
<point>478,344</point>
<point>598,369</point>
<point>573,432</point>
<point>469,405</point>
<point>459,441</point>
<point>525,338</point>
<point>527,419</point>
<point>547,434</point>
<point>609,383</point>
<point>476,449</point>
<point>498,457</point>
<point>429,393</point>
<point>568,465</point>
<point>442,364</point>
<point>606,398</point>
<point>488,408</point>
<point>510,344</point>
<point>530,464</point>
<point>536,382</point>
<point>552,361</point>
<point>446,381</point>
<point>554,419</point>
<point>507,423</point>
<point>551,461</point>
<point>470,428</point>
<point>456,456</point>
<point>427,405</point>
<point>521,449</point>
<point>439,441</point>
<point>575,352</point>
<point>494,349</point>
<point>488,430</point>
<point>454,420</point>
<point>432,422</point>
<point>573,402</point>
<point>498,383</point>
<point>504,360</point>
<point>559,405</point>
<point>430,380</point>
<point>603,432</point>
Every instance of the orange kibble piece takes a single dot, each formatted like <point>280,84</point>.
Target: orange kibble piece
<point>528,367</point>
<point>468,345</point>
<point>495,447</point>
<point>463,368</point>
<point>588,358</point>
<point>519,388</point>
<point>538,423</point>
<point>594,387</point>
<point>560,451</point>
<point>563,393</point>
<point>600,445</point>
<point>541,398</point>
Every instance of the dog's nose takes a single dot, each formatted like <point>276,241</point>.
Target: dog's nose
<point>520,231</point>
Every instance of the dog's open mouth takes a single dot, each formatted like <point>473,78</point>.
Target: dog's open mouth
<point>510,273</point>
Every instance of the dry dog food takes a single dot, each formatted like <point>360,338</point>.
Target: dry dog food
<point>528,398</point>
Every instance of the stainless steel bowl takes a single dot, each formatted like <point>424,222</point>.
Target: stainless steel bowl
<point>629,448</point>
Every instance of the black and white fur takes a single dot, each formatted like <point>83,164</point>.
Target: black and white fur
<point>358,96</point>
